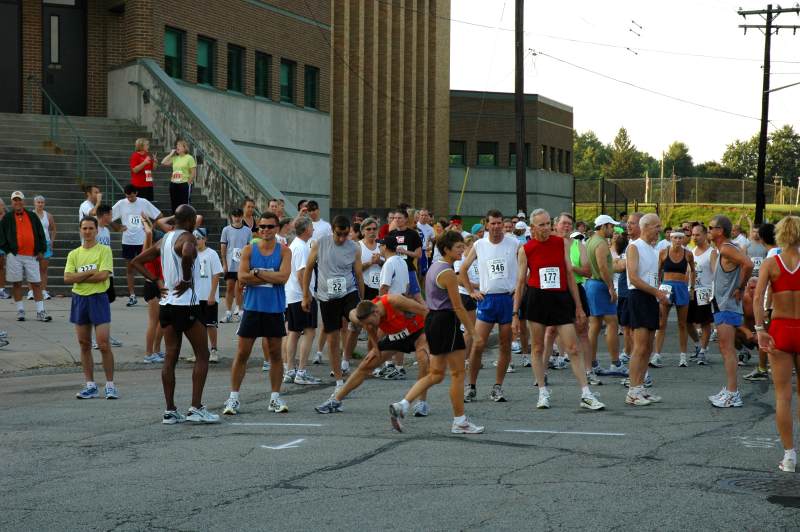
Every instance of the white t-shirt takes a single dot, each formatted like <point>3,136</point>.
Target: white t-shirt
<point>208,265</point>
<point>372,275</point>
<point>394,274</point>
<point>84,210</point>
<point>473,275</point>
<point>741,241</point>
<point>300,252</point>
<point>497,264</point>
<point>664,243</point>
<point>427,234</point>
<point>321,228</point>
<point>130,215</point>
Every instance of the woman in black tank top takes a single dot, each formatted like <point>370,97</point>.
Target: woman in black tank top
<point>676,265</point>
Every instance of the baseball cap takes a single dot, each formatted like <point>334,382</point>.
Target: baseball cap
<point>17,194</point>
<point>476,228</point>
<point>604,219</point>
<point>520,225</point>
<point>389,241</point>
<point>200,232</point>
<point>576,234</point>
<point>520,214</point>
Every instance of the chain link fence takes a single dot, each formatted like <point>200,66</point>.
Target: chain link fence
<point>703,190</point>
<point>599,196</point>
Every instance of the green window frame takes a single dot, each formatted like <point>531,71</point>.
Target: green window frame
<point>288,81</point>
<point>487,154</point>
<point>205,61</point>
<point>235,68</point>
<point>263,75</point>
<point>173,52</point>
<point>311,87</point>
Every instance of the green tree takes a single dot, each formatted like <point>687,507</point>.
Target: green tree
<point>741,157</point>
<point>677,159</point>
<point>589,155</point>
<point>711,169</point>
<point>783,154</point>
<point>625,162</point>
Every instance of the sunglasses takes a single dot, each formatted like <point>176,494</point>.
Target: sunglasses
<point>267,226</point>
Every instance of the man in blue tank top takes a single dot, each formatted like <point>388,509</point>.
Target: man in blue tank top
<point>264,268</point>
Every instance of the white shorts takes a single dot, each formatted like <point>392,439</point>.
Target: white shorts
<point>22,266</point>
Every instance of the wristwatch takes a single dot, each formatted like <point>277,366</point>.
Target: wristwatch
<point>759,328</point>
<point>255,272</point>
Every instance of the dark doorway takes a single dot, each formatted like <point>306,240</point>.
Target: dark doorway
<point>11,59</point>
<point>64,54</point>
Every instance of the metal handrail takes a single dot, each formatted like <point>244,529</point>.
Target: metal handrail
<point>81,145</point>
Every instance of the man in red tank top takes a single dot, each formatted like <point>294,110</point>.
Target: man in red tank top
<point>402,320</point>
<point>552,299</point>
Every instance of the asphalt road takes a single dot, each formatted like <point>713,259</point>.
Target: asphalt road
<point>111,465</point>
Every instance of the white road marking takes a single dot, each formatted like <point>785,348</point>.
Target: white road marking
<point>277,424</point>
<point>565,432</point>
<point>290,445</point>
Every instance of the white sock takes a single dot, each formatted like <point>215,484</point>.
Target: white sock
<point>91,384</point>
<point>404,404</point>
<point>585,391</point>
<point>40,306</point>
<point>274,395</point>
<point>544,390</point>
<point>109,384</point>
<point>459,420</point>
<point>683,354</point>
<point>791,454</point>
<point>702,350</point>
<point>340,382</point>
<point>235,396</point>
<point>20,305</point>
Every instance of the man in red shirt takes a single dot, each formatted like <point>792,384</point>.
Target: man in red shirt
<point>22,239</point>
<point>142,164</point>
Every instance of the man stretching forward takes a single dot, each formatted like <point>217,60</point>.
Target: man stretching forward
<point>180,313</point>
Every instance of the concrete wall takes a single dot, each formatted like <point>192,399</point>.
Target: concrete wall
<point>495,188</point>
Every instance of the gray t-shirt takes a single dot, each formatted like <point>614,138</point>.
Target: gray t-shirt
<point>236,239</point>
<point>335,268</point>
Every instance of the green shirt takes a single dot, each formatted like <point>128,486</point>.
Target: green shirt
<point>575,259</point>
<point>591,247</point>
<point>182,168</point>
<point>95,258</point>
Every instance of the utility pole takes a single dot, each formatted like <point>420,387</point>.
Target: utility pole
<point>769,16</point>
<point>519,107</point>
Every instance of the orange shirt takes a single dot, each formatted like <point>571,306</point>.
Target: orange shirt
<point>24,234</point>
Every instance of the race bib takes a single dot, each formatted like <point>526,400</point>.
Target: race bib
<point>237,254</point>
<point>652,279</point>
<point>757,261</point>
<point>87,268</point>
<point>336,286</point>
<point>148,176</point>
<point>497,269</point>
<point>404,248</point>
<point>666,288</point>
<point>398,335</point>
<point>703,296</point>
<point>134,220</point>
<point>203,269</point>
<point>549,278</point>
<point>177,176</point>
<point>374,278</point>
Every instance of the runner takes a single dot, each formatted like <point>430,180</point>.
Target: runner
<point>339,285</point>
<point>207,288</point>
<point>782,342</point>
<point>676,269</point>
<point>409,247</point>
<point>130,212</point>
<point>152,293</point>
<point>88,268</point>
<point>731,273</point>
<point>94,198</point>
<point>49,226</point>
<point>321,227</point>
<point>142,163</point>
<point>600,291</point>
<point>552,299</point>
<point>402,321</point>
<point>623,315</point>
<point>473,282</point>
<point>3,293</point>
<point>644,296</point>
<point>104,237</point>
<point>302,325</point>
<point>180,313</point>
<point>497,273</point>
<point>442,329</point>
<point>184,172</point>
<point>766,234</point>
<point>248,215</point>
<point>700,304</point>
<point>234,238</point>
<point>264,269</point>
<point>395,278</point>
<point>23,241</point>
<point>371,258</point>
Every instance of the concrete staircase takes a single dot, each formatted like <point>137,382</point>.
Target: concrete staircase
<point>29,163</point>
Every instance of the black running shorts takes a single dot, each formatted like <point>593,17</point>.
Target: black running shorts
<point>443,331</point>
<point>549,307</point>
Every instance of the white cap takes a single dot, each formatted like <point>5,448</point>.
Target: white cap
<point>576,234</point>
<point>17,194</point>
<point>520,225</point>
<point>604,219</point>
<point>520,214</point>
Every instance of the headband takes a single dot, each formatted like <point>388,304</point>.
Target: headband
<point>676,233</point>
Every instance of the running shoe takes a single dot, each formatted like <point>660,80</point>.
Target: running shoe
<point>655,361</point>
<point>497,394</point>
<point>730,399</point>
<point>88,392</point>
<point>526,361</point>
<point>509,369</point>
<point>701,359</point>
<point>396,414</point>
<point>278,406</point>
<point>46,295</point>
<point>29,295</point>
<point>696,351</point>
<point>213,356</point>
<point>743,355</point>
<point>154,358</point>
<point>612,371</point>
<point>719,394</point>
<point>201,415</point>
<point>191,358</point>
<point>396,374</point>
<point>635,399</point>
<point>757,375</point>
<point>787,465</point>
<point>227,318</point>
<point>289,375</point>
<point>620,332</point>
<point>714,335</point>
<point>331,406</point>
<point>467,427</point>
<point>171,417</point>
<point>317,358</point>
<point>4,342</point>
<point>231,407</point>
<point>683,363</point>
<point>94,344</point>
<point>132,301</point>
<point>111,392</point>
<point>3,334</point>
<point>421,409</point>
<point>114,342</point>
<point>42,315</point>
<point>265,366</point>
<point>592,380</point>
<point>20,315</point>
<point>345,365</point>
<point>470,394</point>
<point>4,294</point>
<point>652,398</point>
<point>590,402</point>
<point>624,358</point>
<point>544,399</point>
<point>516,347</point>
<point>302,377</point>
<point>648,380</point>
<point>536,383</point>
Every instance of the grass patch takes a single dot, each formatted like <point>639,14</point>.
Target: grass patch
<point>681,212</point>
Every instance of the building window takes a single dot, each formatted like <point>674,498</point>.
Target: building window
<point>173,52</point>
<point>263,74</point>
<point>312,87</point>
<point>487,154</point>
<point>288,76</point>
<point>569,162</point>
<point>512,154</point>
<point>235,67</point>
<point>552,158</point>
<point>544,157</point>
<point>458,152</point>
<point>205,61</point>
<point>560,160</point>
